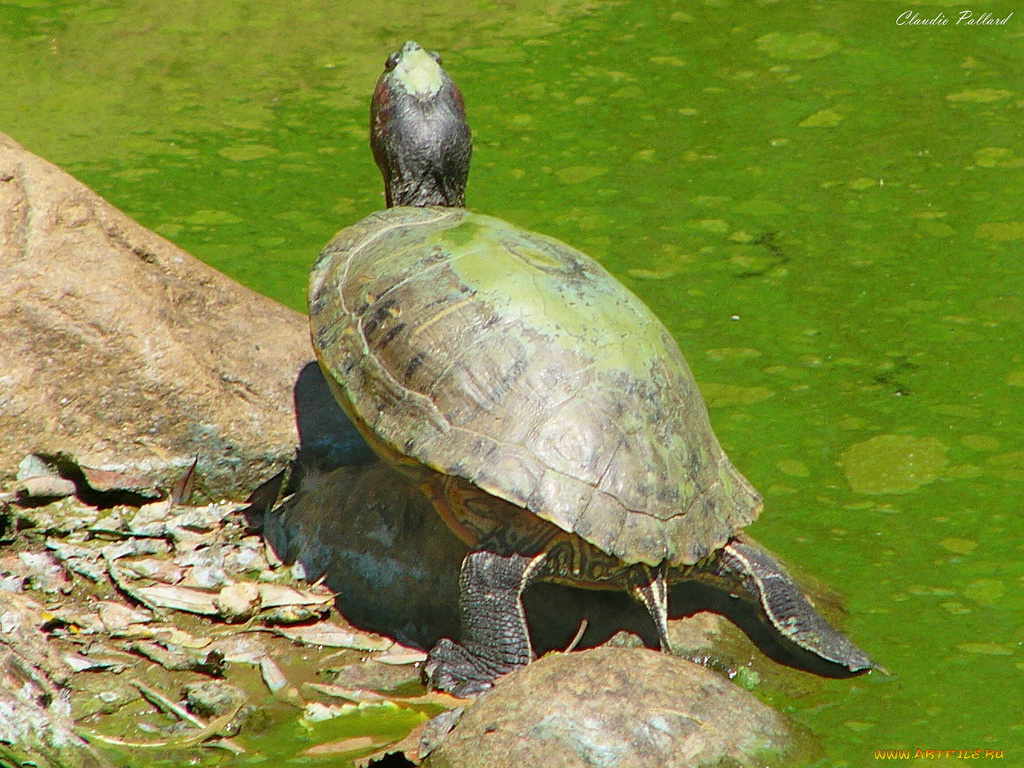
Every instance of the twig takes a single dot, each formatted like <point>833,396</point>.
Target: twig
<point>579,636</point>
<point>122,584</point>
<point>166,705</point>
<point>196,738</point>
<point>160,701</point>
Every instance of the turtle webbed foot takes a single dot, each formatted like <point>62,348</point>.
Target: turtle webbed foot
<point>495,636</point>
<point>787,609</point>
<point>455,669</point>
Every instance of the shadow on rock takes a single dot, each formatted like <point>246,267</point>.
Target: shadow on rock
<point>327,438</point>
<point>378,543</point>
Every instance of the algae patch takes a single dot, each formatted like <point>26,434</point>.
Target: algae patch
<point>893,463</point>
<point>804,46</point>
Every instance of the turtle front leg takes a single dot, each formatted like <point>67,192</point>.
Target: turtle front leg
<point>784,604</point>
<point>495,636</point>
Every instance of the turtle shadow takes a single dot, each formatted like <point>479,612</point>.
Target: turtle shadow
<point>327,437</point>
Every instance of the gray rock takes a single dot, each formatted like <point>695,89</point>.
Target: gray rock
<point>612,708</point>
<point>123,353</point>
<point>213,698</point>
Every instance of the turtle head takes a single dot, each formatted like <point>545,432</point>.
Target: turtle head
<point>418,131</point>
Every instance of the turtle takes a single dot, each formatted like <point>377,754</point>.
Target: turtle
<point>546,412</point>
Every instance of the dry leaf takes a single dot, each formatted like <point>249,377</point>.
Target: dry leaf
<point>286,605</point>
<point>356,695</point>
<point>183,487</point>
<point>177,598</point>
<point>272,674</point>
<point>362,696</point>
<point>240,649</point>
<point>104,480</point>
<point>273,595</point>
<point>45,487</point>
<point>330,635</point>
<point>399,655</point>
<point>354,744</point>
<point>151,519</point>
<point>153,568</point>
<point>409,747</point>
<point>437,698</point>
<point>118,617</point>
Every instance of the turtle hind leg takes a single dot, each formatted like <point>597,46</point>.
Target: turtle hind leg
<point>495,636</point>
<point>784,604</point>
<point>649,588</point>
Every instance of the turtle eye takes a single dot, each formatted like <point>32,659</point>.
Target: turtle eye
<point>392,61</point>
<point>435,56</point>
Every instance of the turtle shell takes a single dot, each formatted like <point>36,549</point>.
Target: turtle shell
<point>513,361</point>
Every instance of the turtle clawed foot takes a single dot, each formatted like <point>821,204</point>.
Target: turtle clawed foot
<point>455,669</point>
<point>786,607</point>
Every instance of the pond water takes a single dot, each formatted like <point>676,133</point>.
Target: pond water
<point>824,205</point>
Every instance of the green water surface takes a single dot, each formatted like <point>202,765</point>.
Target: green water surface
<point>825,206</point>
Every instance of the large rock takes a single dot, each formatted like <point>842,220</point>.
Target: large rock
<point>123,352</point>
<point>613,708</point>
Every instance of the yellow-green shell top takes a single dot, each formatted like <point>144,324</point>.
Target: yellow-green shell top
<point>513,361</point>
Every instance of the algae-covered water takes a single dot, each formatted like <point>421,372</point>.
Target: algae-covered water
<point>824,204</point>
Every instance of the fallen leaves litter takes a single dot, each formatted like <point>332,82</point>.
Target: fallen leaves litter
<point>185,590</point>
